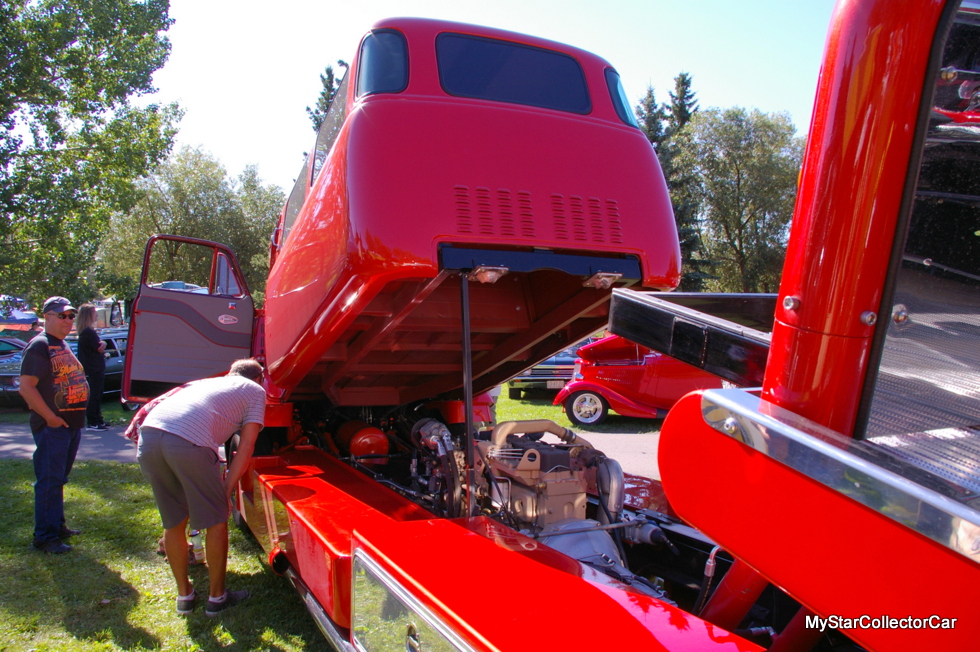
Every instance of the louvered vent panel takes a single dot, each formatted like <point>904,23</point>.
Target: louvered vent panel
<point>586,220</point>
<point>485,212</point>
<point>505,212</point>
<point>629,376</point>
<point>525,213</point>
<point>595,220</point>
<point>560,217</point>
<point>577,211</point>
<point>464,210</point>
<point>613,221</point>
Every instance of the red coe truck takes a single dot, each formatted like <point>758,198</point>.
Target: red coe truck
<point>472,201</point>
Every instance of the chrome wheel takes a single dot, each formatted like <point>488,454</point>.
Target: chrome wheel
<point>586,408</point>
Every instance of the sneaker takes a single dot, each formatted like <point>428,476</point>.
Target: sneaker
<point>99,427</point>
<point>52,547</point>
<point>186,605</point>
<point>231,599</point>
<point>68,532</point>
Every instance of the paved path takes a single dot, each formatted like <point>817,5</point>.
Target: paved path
<point>16,442</point>
<point>636,453</point>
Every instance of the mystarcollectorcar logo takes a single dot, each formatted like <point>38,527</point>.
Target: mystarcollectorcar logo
<point>879,622</point>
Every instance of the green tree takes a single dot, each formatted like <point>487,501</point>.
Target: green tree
<point>746,165</point>
<point>683,104</point>
<point>330,85</point>
<point>192,195</point>
<point>695,265</point>
<point>652,117</point>
<point>660,123</point>
<point>71,143</point>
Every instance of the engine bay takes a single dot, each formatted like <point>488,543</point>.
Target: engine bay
<point>542,481</point>
<point>543,486</point>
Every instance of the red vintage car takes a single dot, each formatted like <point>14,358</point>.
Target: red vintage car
<point>615,373</point>
<point>636,381</point>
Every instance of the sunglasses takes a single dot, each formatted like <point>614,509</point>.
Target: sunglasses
<point>66,315</point>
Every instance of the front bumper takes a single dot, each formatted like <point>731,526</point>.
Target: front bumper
<point>538,382</point>
<point>9,394</point>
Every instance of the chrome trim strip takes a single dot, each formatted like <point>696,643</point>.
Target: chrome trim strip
<point>327,627</point>
<point>407,598</point>
<point>860,470</point>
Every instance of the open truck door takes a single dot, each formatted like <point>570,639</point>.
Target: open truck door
<point>191,319</point>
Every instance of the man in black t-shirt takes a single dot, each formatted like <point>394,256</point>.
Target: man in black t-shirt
<point>52,382</point>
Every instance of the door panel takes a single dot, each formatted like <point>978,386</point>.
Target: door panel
<point>191,319</point>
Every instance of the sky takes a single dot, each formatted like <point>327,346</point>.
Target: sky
<point>244,72</point>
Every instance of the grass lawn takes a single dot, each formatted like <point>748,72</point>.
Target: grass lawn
<point>113,592</point>
<point>538,405</point>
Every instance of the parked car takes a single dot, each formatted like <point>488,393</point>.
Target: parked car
<point>10,382</point>
<point>10,347</point>
<point>552,373</point>
<point>115,353</point>
<point>614,373</point>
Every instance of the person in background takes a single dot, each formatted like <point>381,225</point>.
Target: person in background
<point>53,385</point>
<point>178,455</point>
<point>91,353</point>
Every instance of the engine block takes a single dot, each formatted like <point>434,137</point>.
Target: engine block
<point>536,482</point>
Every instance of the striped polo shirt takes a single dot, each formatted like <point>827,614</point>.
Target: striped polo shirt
<point>210,411</point>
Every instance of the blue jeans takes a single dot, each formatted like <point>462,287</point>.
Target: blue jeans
<point>53,459</point>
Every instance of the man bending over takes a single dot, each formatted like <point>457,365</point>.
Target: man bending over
<point>178,454</point>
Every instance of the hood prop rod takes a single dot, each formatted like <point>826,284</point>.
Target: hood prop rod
<point>464,299</point>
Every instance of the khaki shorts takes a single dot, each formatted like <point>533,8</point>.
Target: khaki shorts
<point>186,479</point>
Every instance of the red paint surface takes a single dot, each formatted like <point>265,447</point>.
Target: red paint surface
<point>541,586</point>
<point>727,489</point>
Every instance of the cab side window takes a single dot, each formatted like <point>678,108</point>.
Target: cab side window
<point>189,267</point>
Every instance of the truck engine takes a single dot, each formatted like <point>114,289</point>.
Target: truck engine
<point>536,477</point>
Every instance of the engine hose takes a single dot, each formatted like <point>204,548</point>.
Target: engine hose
<point>616,535</point>
<point>454,491</point>
<point>709,573</point>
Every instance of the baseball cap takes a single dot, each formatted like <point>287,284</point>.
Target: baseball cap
<point>57,305</point>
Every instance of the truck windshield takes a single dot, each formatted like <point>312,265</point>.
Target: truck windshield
<point>490,69</point>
